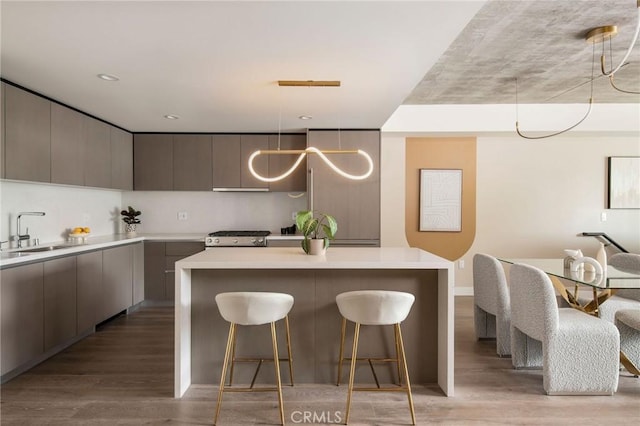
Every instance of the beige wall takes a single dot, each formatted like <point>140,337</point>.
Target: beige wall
<point>533,197</point>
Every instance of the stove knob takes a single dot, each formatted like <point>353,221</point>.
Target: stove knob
<point>260,241</point>
<point>235,241</point>
<point>253,241</point>
<point>216,240</point>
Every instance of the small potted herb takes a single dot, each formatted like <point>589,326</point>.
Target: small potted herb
<point>130,218</point>
<point>317,231</point>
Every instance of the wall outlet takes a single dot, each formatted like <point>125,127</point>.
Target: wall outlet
<point>86,217</point>
<point>603,217</point>
<point>183,216</point>
<point>293,215</point>
<point>461,264</point>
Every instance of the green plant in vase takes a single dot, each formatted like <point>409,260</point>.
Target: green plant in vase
<point>130,217</point>
<point>322,228</point>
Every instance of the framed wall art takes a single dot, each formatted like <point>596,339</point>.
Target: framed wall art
<point>441,200</point>
<point>624,183</point>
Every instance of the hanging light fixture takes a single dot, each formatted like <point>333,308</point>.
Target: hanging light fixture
<point>302,153</point>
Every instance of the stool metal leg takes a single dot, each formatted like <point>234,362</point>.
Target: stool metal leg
<point>406,374</point>
<point>352,372</point>
<point>233,356</point>
<point>227,354</point>
<point>286,323</point>
<point>341,357</point>
<point>395,335</point>
<point>276,362</point>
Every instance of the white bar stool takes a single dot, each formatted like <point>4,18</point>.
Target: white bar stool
<point>254,308</point>
<point>375,307</point>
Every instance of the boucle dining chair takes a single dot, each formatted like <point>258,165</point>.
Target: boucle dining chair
<point>492,310</point>
<point>628,323</point>
<point>580,352</point>
<point>623,298</point>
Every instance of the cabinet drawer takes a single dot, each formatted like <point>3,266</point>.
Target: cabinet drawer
<point>185,248</point>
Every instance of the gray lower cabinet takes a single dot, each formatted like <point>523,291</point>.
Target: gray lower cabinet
<point>67,146</point>
<point>354,203</point>
<point>59,301</point>
<point>27,130</point>
<point>117,281</point>
<point>22,315</point>
<point>89,289</point>
<point>153,162</point>
<point>121,159</point>
<point>159,266</point>
<point>138,273</point>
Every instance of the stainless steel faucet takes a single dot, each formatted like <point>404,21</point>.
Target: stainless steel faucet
<point>22,237</point>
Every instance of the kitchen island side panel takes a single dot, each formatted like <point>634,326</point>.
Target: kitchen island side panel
<point>315,324</point>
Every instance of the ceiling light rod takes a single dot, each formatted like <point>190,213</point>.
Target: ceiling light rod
<point>302,154</point>
<point>300,151</point>
<point>309,83</point>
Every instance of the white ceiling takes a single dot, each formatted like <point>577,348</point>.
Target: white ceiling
<point>215,64</point>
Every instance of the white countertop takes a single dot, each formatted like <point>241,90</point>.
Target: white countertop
<point>295,258</point>
<point>11,257</point>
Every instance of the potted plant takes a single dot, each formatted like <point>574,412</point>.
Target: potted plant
<point>317,231</point>
<point>130,217</point>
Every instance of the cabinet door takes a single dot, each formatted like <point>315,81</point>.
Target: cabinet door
<point>67,147</point>
<point>354,204</point>
<point>175,251</point>
<point>278,164</point>
<point>154,280</point>
<point>153,162</point>
<point>249,144</point>
<point>226,161</point>
<point>170,276</point>
<point>121,159</point>
<point>192,163</point>
<point>138,273</point>
<point>89,289</point>
<point>22,320</point>
<point>117,280</point>
<point>27,136</point>
<point>97,154</point>
<point>59,301</point>
<point>2,131</point>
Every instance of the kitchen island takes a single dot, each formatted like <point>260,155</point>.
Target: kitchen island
<point>314,281</point>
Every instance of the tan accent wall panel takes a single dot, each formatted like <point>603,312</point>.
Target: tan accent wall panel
<point>441,153</point>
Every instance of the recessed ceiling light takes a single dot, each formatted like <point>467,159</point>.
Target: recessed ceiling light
<point>305,117</point>
<point>108,77</point>
<point>171,117</point>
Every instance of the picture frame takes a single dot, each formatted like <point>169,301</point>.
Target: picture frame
<point>623,183</point>
<point>440,200</point>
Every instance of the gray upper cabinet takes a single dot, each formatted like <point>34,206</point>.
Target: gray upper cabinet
<point>59,301</point>
<point>22,319</point>
<point>355,204</point>
<point>153,162</point>
<point>121,159</point>
<point>278,164</point>
<point>226,161</point>
<point>192,163</point>
<point>67,146</point>
<point>27,136</point>
<point>248,145</point>
<point>2,130</point>
<point>97,153</point>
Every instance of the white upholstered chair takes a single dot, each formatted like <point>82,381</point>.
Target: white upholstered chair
<point>628,322</point>
<point>375,307</point>
<point>253,308</point>
<point>492,310</point>
<point>624,298</point>
<point>580,352</point>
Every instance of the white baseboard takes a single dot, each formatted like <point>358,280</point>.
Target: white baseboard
<point>463,291</point>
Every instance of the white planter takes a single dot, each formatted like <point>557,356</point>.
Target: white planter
<point>317,247</point>
<point>130,229</point>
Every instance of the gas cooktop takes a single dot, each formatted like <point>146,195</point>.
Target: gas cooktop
<point>237,239</point>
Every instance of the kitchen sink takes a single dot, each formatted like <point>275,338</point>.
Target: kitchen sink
<point>41,249</point>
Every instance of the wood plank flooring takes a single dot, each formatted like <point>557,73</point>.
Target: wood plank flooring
<point>123,375</point>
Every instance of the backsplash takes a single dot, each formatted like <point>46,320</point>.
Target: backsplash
<point>213,211</point>
<point>66,207</point>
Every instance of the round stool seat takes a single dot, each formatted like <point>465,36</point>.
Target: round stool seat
<point>375,307</point>
<point>253,308</point>
<point>629,317</point>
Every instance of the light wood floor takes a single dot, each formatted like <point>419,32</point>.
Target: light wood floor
<point>123,375</point>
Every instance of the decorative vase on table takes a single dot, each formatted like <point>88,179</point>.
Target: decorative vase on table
<point>317,246</point>
<point>317,231</point>
<point>130,229</point>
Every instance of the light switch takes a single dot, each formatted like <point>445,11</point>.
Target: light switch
<point>183,215</point>
<point>603,217</point>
